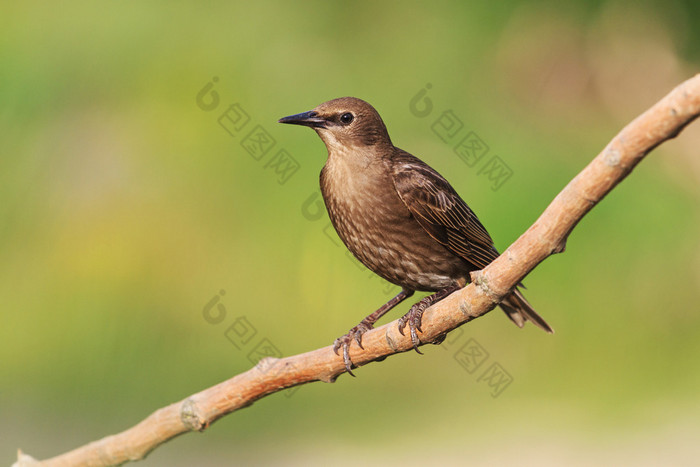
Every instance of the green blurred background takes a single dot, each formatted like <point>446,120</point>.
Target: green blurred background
<point>125,208</point>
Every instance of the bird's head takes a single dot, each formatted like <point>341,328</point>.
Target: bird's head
<point>344,123</point>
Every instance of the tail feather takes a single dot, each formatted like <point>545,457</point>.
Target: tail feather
<point>519,311</point>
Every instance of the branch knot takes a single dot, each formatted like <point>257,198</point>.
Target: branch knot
<point>189,414</point>
<point>481,281</point>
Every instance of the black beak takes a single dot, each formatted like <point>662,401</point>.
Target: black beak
<point>310,118</point>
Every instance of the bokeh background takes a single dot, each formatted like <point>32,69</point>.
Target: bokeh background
<point>125,208</point>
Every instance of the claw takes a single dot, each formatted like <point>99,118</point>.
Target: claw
<point>402,324</point>
<point>345,341</point>
<point>413,319</point>
<point>415,314</point>
<point>346,359</point>
<point>415,340</point>
<point>336,345</point>
<point>358,339</point>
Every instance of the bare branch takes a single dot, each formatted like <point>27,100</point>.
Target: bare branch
<point>545,237</point>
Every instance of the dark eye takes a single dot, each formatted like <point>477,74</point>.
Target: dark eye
<point>346,118</point>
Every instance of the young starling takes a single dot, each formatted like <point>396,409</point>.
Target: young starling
<point>399,217</point>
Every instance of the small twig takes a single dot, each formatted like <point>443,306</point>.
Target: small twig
<point>545,237</point>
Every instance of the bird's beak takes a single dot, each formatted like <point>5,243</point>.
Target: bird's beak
<point>310,118</point>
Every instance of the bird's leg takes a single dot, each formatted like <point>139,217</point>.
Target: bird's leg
<point>364,326</point>
<point>415,314</point>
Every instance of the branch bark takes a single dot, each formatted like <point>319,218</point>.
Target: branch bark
<point>545,237</point>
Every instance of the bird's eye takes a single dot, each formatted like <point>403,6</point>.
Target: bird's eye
<point>346,118</point>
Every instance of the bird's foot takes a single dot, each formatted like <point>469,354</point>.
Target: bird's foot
<point>345,341</point>
<point>415,314</point>
<point>413,319</point>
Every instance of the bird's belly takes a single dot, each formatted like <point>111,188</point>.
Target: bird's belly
<point>391,243</point>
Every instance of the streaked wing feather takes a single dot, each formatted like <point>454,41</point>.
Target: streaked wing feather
<point>440,211</point>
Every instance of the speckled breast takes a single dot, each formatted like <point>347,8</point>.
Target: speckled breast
<point>378,229</point>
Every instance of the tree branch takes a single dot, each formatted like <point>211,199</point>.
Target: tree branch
<point>545,237</point>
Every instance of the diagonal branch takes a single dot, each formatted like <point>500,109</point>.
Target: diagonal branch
<point>545,237</point>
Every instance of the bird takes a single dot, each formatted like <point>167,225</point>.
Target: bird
<point>399,217</point>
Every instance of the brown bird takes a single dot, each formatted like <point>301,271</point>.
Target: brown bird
<point>399,217</point>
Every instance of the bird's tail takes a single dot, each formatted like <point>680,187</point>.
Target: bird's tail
<point>519,310</point>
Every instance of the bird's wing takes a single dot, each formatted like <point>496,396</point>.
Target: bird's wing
<point>440,211</point>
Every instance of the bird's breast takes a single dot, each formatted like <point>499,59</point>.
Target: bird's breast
<point>375,225</point>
